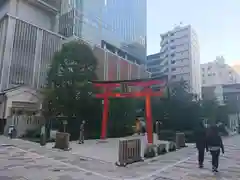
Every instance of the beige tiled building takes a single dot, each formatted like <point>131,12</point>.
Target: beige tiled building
<point>20,106</point>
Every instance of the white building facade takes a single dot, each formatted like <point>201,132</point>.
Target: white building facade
<point>218,73</point>
<point>179,58</point>
<point>27,41</point>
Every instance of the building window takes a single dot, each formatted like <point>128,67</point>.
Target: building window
<point>172,40</point>
<point>225,98</point>
<point>174,76</point>
<point>172,55</point>
<point>173,69</point>
<point>173,47</point>
<point>173,61</point>
<point>166,70</point>
<point>171,34</point>
<point>203,81</point>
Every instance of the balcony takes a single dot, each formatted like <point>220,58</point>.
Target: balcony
<point>53,6</point>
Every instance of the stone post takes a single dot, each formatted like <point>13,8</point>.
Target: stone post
<point>81,135</point>
<point>43,136</point>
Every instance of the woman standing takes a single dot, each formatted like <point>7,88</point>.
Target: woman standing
<point>138,126</point>
<point>215,144</point>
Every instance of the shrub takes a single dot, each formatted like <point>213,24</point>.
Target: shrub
<point>161,149</point>
<point>167,135</point>
<point>172,147</point>
<point>150,151</point>
<point>189,136</point>
<point>32,133</point>
<point>222,130</point>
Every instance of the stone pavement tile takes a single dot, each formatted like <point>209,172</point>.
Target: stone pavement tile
<point>188,170</point>
<point>43,163</point>
<point>41,169</point>
<point>107,169</point>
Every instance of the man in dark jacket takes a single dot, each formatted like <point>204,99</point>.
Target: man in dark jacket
<point>214,143</point>
<point>200,136</point>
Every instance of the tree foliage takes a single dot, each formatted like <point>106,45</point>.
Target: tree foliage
<point>122,115</point>
<point>68,92</point>
<point>69,76</point>
<point>184,111</point>
<point>209,110</point>
<point>181,111</point>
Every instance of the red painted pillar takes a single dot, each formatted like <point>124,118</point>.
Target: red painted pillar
<point>149,124</point>
<point>105,117</point>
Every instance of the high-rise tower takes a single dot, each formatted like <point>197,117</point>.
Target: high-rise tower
<point>121,24</point>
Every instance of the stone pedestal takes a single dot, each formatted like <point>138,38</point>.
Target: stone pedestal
<point>62,140</point>
<point>129,151</point>
<point>155,138</point>
<point>180,140</point>
<point>150,151</point>
<point>43,140</point>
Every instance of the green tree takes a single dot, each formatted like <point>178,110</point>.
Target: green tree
<point>209,110</point>
<point>222,114</point>
<point>181,111</point>
<point>68,91</point>
<point>122,115</point>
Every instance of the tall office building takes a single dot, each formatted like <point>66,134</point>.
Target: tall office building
<point>121,25</point>
<point>31,31</point>
<point>179,58</point>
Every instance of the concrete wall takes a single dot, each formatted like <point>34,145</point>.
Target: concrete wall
<point>35,15</point>
<point>30,13</point>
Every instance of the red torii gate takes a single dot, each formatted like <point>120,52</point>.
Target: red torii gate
<point>147,92</point>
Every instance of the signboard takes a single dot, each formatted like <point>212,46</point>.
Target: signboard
<point>25,105</point>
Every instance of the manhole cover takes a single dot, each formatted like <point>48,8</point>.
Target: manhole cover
<point>82,159</point>
<point>6,145</point>
<point>102,141</point>
<point>154,160</point>
<point>56,170</point>
<point>88,173</point>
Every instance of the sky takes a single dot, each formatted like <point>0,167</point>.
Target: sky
<point>217,23</point>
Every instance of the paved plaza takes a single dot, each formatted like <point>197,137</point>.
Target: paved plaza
<point>23,160</point>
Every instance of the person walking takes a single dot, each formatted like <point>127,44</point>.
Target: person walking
<point>214,144</point>
<point>201,143</point>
